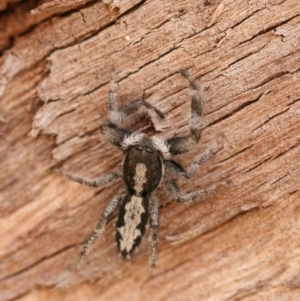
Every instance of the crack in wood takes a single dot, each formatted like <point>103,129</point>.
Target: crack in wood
<point>285,151</point>
<point>236,110</point>
<point>268,29</point>
<point>237,153</point>
<point>269,119</point>
<point>257,165</point>
<point>38,262</point>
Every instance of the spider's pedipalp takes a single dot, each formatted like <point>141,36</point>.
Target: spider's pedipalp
<point>113,134</point>
<point>133,139</point>
<point>161,145</point>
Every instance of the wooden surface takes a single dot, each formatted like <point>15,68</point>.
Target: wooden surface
<point>241,242</point>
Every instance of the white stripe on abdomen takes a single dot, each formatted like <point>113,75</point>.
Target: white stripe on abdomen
<point>132,218</point>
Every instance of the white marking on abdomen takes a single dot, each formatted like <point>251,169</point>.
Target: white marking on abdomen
<point>132,218</point>
<point>140,177</point>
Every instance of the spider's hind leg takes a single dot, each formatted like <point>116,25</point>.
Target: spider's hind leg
<point>179,145</point>
<point>153,212</point>
<point>113,205</point>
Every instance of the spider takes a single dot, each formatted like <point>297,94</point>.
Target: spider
<point>147,165</point>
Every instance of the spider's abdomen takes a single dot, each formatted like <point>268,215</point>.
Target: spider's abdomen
<point>142,170</point>
<point>131,223</point>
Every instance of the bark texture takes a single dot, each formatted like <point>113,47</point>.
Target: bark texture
<point>242,241</point>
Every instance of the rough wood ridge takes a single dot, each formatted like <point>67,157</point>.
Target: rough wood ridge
<point>240,242</point>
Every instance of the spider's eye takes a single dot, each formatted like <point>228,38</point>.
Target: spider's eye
<point>139,147</point>
<point>149,150</point>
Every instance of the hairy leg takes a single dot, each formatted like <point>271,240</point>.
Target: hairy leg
<point>107,178</point>
<point>176,170</point>
<point>153,212</point>
<point>121,115</point>
<point>179,145</point>
<point>174,192</point>
<point>113,205</point>
<point>113,134</point>
<point>118,117</point>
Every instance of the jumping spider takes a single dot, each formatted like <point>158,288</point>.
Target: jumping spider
<point>147,164</point>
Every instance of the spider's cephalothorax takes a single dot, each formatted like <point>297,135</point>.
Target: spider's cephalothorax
<point>147,165</point>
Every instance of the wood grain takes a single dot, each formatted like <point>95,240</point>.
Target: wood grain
<point>241,242</point>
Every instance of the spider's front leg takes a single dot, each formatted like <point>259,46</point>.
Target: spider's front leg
<point>118,117</point>
<point>122,115</point>
<point>179,145</point>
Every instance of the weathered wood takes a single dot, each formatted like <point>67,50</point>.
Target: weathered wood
<point>241,242</point>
